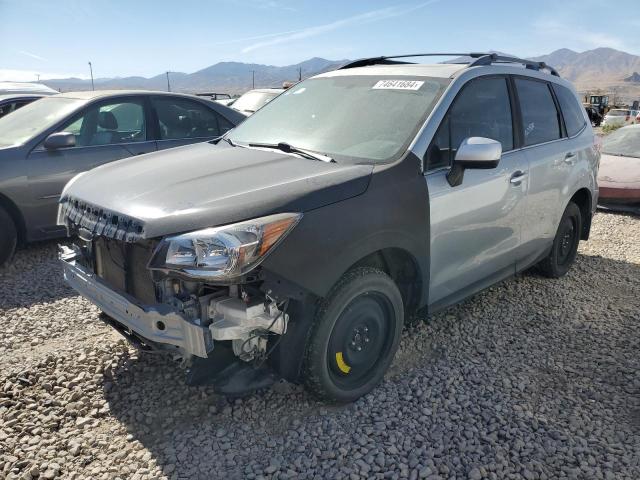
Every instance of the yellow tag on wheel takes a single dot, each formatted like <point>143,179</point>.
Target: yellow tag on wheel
<point>344,368</point>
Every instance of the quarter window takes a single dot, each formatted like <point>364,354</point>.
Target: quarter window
<point>481,109</point>
<point>571,110</point>
<point>540,119</point>
<point>181,118</point>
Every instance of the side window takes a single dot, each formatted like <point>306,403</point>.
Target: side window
<point>182,118</point>
<point>571,110</point>
<point>108,124</point>
<point>481,109</point>
<point>540,119</point>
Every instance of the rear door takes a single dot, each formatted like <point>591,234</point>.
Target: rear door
<point>475,226</point>
<point>182,121</point>
<point>105,131</point>
<point>551,160</point>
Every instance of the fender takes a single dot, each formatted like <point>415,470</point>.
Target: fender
<point>392,213</point>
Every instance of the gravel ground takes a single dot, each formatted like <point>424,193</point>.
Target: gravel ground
<point>533,378</point>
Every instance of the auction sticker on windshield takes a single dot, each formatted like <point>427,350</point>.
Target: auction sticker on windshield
<point>398,84</point>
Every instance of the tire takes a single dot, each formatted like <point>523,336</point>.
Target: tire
<point>8,237</point>
<point>565,244</point>
<point>354,337</point>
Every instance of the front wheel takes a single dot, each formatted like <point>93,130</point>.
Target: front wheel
<point>355,336</point>
<point>565,244</point>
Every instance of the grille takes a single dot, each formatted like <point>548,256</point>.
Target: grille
<point>123,266</point>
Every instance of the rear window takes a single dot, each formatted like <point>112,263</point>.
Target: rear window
<point>571,110</point>
<point>540,119</point>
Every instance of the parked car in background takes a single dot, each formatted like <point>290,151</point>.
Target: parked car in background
<point>619,175</point>
<point>253,100</point>
<point>25,87</point>
<point>11,102</point>
<point>299,241</point>
<point>44,144</point>
<point>619,117</point>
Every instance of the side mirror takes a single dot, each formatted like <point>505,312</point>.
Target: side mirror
<point>474,152</point>
<point>60,140</point>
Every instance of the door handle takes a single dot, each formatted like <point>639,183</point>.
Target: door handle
<point>518,177</point>
<point>569,158</point>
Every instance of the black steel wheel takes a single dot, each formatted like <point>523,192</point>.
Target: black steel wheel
<point>565,244</point>
<point>355,336</point>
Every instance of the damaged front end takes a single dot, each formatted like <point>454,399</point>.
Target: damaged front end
<point>198,296</point>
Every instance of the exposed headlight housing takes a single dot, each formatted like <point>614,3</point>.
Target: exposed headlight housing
<point>223,253</point>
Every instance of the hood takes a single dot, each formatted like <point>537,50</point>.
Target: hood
<point>619,172</point>
<point>203,185</point>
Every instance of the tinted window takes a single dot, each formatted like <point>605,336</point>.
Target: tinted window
<point>571,110</point>
<point>182,118</point>
<point>540,119</point>
<point>107,124</point>
<point>481,109</point>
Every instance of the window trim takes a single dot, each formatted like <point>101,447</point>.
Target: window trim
<point>553,98</point>
<point>514,124</point>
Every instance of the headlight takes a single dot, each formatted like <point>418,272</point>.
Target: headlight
<point>223,253</point>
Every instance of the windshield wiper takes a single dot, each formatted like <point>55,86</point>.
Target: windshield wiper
<point>285,147</point>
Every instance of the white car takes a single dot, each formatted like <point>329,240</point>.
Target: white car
<point>621,117</point>
<point>255,99</point>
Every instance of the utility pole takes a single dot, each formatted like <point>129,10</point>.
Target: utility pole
<point>168,84</point>
<point>38,77</point>
<point>253,79</point>
<point>91,71</point>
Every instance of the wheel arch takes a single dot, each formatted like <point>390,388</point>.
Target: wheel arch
<point>403,269</point>
<point>583,199</point>
<point>16,215</point>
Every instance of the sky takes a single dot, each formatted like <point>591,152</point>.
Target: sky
<point>57,38</point>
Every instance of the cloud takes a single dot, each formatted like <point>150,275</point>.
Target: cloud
<point>8,75</point>
<point>32,55</point>
<point>362,18</point>
<point>579,36</point>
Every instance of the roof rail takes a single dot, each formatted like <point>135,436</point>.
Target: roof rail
<point>477,59</point>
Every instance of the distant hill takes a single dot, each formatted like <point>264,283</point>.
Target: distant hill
<point>602,69</point>
<point>606,69</point>
<point>223,77</point>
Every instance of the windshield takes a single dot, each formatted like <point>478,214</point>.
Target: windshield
<point>364,117</point>
<point>624,142</point>
<point>252,101</point>
<point>30,120</point>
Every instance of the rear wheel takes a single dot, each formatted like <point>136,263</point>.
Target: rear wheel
<point>355,336</point>
<point>8,237</point>
<point>565,244</point>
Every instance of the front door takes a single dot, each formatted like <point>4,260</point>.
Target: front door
<point>104,132</point>
<point>475,226</point>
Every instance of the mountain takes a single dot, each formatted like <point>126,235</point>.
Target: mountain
<point>634,77</point>
<point>606,69</point>
<point>223,77</point>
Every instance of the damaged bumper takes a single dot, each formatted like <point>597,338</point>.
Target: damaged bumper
<point>157,323</point>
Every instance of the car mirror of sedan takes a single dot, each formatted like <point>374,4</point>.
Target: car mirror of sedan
<point>60,140</point>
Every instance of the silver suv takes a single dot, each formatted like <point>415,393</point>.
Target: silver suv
<point>297,244</point>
